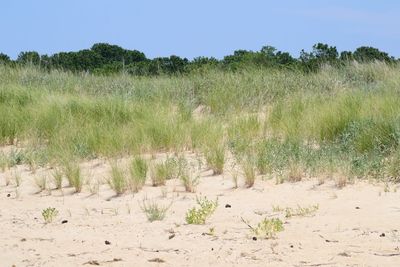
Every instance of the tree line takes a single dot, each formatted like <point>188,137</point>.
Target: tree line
<point>103,58</point>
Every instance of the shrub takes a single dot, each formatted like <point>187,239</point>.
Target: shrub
<point>200,215</point>
<point>268,228</point>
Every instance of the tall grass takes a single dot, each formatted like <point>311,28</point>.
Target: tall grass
<point>292,124</point>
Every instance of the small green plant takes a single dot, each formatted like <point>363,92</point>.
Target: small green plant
<point>3,162</point>
<point>57,176</point>
<point>41,183</point>
<point>190,182</point>
<point>159,174</point>
<point>295,172</point>
<point>301,211</point>
<point>117,181</point>
<point>94,186</point>
<point>267,228</point>
<point>49,214</point>
<point>138,170</point>
<point>200,215</point>
<point>17,179</point>
<point>165,171</point>
<point>73,173</point>
<point>249,173</point>
<point>154,211</point>
<point>16,157</point>
<point>215,158</point>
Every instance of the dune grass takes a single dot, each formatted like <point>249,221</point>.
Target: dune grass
<point>294,125</point>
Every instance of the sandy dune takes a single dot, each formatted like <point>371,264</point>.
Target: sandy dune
<point>358,225</point>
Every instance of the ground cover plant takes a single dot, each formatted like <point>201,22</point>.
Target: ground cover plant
<point>199,215</point>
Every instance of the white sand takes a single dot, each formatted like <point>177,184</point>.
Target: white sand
<point>337,235</point>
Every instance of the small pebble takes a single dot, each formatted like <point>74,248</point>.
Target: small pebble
<point>254,238</point>
<point>357,208</point>
<point>382,235</point>
<point>64,221</point>
<point>8,195</point>
<point>107,242</point>
<point>228,206</point>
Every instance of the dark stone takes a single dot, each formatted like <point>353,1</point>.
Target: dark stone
<point>64,221</point>
<point>228,206</point>
<point>107,242</point>
<point>254,238</point>
<point>382,235</point>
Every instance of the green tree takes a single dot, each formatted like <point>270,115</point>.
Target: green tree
<point>366,54</point>
<point>4,59</point>
<point>30,57</point>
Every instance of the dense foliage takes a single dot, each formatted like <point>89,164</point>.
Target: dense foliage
<point>103,58</point>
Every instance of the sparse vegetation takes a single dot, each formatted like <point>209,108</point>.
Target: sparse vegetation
<point>161,172</point>
<point>249,171</point>
<point>153,210</point>
<point>49,214</point>
<point>267,228</point>
<point>215,157</point>
<point>41,183</point>
<point>72,171</point>
<point>138,170</point>
<point>200,215</point>
<point>57,176</point>
<point>17,179</point>
<point>117,182</point>
<point>299,211</point>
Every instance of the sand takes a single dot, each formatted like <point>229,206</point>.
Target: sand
<point>358,225</point>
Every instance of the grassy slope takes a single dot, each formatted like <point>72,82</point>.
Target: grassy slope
<point>292,124</point>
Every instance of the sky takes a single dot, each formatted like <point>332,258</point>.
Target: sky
<point>198,28</point>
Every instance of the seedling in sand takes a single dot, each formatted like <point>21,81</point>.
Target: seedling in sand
<point>267,228</point>
<point>200,215</point>
<point>153,211</point>
<point>49,214</point>
<point>297,212</point>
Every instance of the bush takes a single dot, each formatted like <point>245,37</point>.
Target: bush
<point>200,215</point>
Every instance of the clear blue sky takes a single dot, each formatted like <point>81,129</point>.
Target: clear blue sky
<point>198,28</point>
